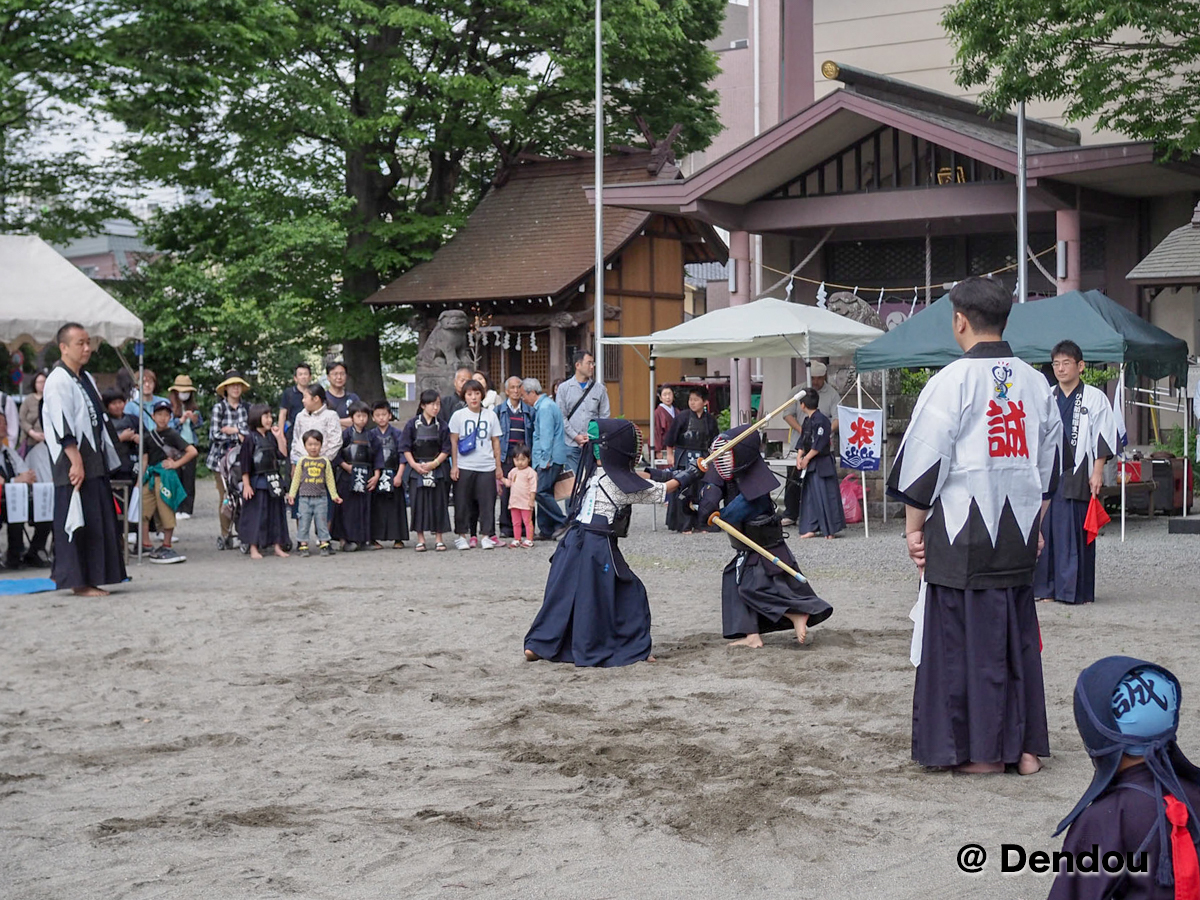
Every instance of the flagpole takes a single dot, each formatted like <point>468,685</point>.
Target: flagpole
<point>1124,475</point>
<point>1022,224</point>
<point>598,323</point>
<point>863,472</point>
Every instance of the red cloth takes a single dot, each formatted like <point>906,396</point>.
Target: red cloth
<point>1096,519</point>
<point>1184,863</point>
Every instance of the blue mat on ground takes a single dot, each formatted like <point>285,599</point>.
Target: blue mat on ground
<point>26,585</point>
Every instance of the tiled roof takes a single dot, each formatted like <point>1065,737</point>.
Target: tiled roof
<point>1175,260</point>
<point>533,237</point>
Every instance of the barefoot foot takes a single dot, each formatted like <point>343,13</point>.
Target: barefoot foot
<point>254,554</point>
<point>800,623</point>
<point>279,551</point>
<point>530,656</point>
<point>750,640</point>
<point>89,591</point>
<point>1029,764</point>
<point>805,537</point>
<point>975,768</point>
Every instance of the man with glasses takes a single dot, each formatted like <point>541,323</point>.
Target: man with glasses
<point>1066,570</point>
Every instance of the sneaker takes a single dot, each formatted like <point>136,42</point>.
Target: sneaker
<point>165,556</point>
<point>487,543</point>
<point>474,542</point>
<point>514,543</point>
<point>461,543</point>
<point>786,522</point>
<point>302,549</point>
<point>527,543</point>
<point>182,516</point>
<point>326,550</point>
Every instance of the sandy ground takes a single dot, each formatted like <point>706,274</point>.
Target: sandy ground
<point>364,726</point>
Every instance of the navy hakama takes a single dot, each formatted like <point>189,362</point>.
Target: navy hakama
<point>979,694</point>
<point>263,519</point>
<point>1066,569</point>
<point>389,514</point>
<point>759,602</point>
<point>351,517</point>
<point>430,505</point>
<point>821,506</point>
<point>93,554</point>
<point>595,611</point>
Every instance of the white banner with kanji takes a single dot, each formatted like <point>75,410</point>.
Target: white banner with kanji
<point>860,433</point>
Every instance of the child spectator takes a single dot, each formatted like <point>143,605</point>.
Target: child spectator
<point>164,454</point>
<point>475,452</point>
<point>356,480</point>
<point>187,420</point>
<point>389,515</point>
<point>126,428</point>
<point>312,480</point>
<point>425,443</point>
<point>1144,794</point>
<point>263,521</point>
<point>522,489</point>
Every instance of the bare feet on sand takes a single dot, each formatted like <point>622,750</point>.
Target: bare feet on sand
<point>1029,764</point>
<point>530,656</point>
<point>800,623</point>
<point>254,554</point>
<point>750,640</point>
<point>89,591</point>
<point>279,551</point>
<point>974,768</point>
<point>1045,599</point>
<point>805,537</point>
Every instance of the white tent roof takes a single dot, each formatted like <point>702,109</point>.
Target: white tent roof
<point>764,328</point>
<point>40,291</point>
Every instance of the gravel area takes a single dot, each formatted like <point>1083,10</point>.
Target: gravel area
<point>365,726</point>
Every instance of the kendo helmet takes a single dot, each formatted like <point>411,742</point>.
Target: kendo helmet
<point>744,463</point>
<point>617,444</point>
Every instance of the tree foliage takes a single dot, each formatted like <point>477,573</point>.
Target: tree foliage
<point>47,183</point>
<point>336,143</point>
<point>1132,64</point>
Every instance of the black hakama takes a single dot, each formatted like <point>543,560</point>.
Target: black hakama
<point>595,611</point>
<point>93,555</point>
<point>1066,568</point>
<point>263,520</point>
<point>430,505</point>
<point>351,517</point>
<point>979,694</point>
<point>821,506</point>
<point>389,514</point>
<point>759,604</point>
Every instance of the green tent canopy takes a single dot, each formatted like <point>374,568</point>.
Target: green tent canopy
<point>1104,330</point>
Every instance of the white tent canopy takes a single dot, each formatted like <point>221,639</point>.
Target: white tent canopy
<point>40,291</point>
<point>764,328</point>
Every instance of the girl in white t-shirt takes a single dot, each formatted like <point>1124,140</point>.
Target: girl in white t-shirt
<point>475,468</point>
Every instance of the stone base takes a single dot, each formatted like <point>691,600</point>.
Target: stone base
<point>1190,525</point>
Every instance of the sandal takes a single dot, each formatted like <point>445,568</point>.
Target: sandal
<point>419,548</point>
<point>399,545</point>
<point>440,548</point>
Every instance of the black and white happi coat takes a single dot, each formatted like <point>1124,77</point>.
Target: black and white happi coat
<point>87,546</point>
<point>980,454</point>
<point>1089,433</point>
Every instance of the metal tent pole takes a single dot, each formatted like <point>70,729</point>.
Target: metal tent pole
<point>1022,210</point>
<point>653,410</point>
<point>598,324</point>
<point>884,444</point>
<point>1124,475</point>
<point>862,473</point>
<point>141,352</point>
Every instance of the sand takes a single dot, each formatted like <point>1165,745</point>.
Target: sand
<point>365,726</point>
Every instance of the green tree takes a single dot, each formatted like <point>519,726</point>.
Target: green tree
<point>381,119</point>
<point>47,183</point>
<point>1131,64</point>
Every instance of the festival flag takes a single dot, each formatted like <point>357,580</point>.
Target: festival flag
<point>861,437</point>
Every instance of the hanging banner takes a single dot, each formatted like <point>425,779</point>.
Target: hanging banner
<point>860,433</point>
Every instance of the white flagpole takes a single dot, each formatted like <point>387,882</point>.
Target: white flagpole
<point>1124,475</point>
<point>1022,223</point>
<point>862,472</point>
<point>598,324</point>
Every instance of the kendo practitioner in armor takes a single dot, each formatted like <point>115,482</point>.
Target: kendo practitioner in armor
<point>356,479</point>
<point>389,515</point>
<point>263,520</point>
<point>1144,795</point>
<point>756,595</point>
<point>821,500</point>
<point>425,443</point>
<point>689,437</point>
<point>595,611</point>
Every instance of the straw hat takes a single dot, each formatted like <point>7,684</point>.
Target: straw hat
<point>182,385</point>
<point>231,377</point>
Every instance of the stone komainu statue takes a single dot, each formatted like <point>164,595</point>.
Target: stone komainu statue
<point>852,306</point>
<point>443,352</point>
